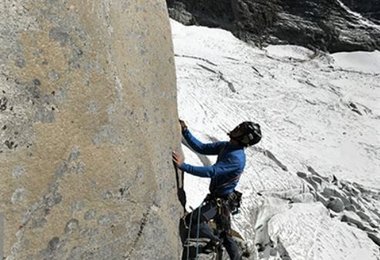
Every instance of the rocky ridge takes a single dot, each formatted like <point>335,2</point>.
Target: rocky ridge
<point>368,8</point>
<point>325,25</point>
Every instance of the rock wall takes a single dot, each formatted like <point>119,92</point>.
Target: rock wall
<point>88,120</point>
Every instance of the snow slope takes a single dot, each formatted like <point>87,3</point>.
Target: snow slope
<point>319,114</point>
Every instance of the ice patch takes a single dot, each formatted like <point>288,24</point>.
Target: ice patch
<point>367,62</point>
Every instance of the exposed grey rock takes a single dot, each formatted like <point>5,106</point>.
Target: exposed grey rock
<point>351,190</point>
<point>314,181</point>
<point>317,179</point>
<point>284,255</point>
<point>315,173</point>
<point>354,201</point>
<point>350,208</point>
<point>363,216</point>
<point>375,237</point>
<point>332,191</point>
<point>178,12</point>
<point>351,217</point>
<point>301,175</point>
<point>368,8</point>
<point>335,204</point>
<point>325,24</point>
<point>322,199</point>
<point>316,184</point>
<point>329,192</point>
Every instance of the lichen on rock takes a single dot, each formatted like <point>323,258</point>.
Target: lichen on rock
<point>88,120</point>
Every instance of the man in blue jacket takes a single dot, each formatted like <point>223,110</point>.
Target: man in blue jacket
<point>225,175</point>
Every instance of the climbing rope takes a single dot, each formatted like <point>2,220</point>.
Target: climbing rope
<point>198,224</point>
<point>179,176</point>
<point>197,234</point>
<point>188,235</point>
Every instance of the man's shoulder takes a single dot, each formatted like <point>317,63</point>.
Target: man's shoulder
<point>237,156</point>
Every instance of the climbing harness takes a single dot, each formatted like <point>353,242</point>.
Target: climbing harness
<point>218,217</point>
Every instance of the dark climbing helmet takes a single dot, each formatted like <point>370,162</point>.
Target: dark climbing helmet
<point>247,133</point>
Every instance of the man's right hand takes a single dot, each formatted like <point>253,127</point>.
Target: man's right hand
<point>183,125</point>
<point>178,158</point>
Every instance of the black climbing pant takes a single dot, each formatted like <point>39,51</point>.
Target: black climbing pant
<point>203,230</point>
<point>232,248</point>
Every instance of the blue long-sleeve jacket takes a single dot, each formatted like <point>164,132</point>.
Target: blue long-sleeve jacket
<point>225,173</point>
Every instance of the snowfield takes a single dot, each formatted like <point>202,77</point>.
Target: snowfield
<point>320,119</point>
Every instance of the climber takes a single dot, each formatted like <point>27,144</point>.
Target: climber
<point>224,174</point>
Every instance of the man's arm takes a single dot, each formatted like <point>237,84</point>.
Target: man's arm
<point>202,148</point>
<point>220,168</point>
<point>198,146</point>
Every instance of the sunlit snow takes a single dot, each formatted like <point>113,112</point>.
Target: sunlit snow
<point>318,112</point>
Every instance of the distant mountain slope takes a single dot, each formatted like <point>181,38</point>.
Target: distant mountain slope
<point>323,24</point>
<point>368,8</point>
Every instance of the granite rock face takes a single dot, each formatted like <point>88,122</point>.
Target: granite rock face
<point>88,120</point>
<point>322,24</point>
